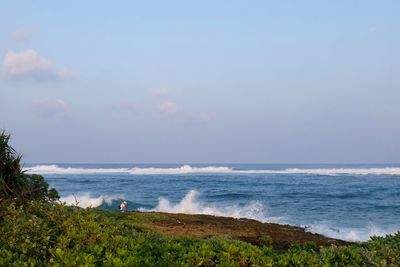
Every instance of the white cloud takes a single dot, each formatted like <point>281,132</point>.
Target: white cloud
<point>21,34</point>
<point>29,64</point>
<point>159,92</point>
<point>168,108</point>
<point>48,107</point>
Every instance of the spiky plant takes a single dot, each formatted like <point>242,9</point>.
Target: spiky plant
<point>11,173</point>
<point>15,185</point>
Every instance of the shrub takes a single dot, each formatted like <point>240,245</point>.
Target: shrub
<point>42,233</point>
<point>37,231</point>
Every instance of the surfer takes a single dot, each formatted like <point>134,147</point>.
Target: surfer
<point>123,206</point>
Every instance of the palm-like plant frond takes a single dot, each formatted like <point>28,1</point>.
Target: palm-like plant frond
<point>15,185</point>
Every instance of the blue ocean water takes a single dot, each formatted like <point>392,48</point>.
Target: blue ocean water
<point>350,202</point>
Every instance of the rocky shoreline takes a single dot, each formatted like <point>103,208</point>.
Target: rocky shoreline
<point>257,233</point>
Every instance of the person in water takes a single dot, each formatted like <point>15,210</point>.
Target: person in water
<point>123,206</point>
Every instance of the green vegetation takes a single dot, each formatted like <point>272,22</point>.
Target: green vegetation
<point>35,230</point>
<point>40,233</point>
<point>15,185</point>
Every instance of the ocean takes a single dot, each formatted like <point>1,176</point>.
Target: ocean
<point>349,202</point>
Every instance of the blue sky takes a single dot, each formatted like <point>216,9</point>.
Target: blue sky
<point>204,81</point>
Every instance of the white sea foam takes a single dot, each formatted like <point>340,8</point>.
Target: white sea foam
<point>86,200</point>
<point>55,169</point>
<point>348,234</point>
<point>256,210</point>
<point>344,171</point>
<point>191,205</point>
<point>187,169</point>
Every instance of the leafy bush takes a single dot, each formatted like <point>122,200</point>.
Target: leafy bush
<point>41,233</point>
<point>37,231</point>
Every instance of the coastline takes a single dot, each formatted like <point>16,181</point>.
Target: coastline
<point>280,236</point>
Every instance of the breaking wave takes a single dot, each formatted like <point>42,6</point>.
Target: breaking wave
<point>344,171</point>
<point>86,200</point>
<point>256,210</point>
<point>55,169</point>
<point>348,234</point>
<point>191,205</point>
<point>187,169</point>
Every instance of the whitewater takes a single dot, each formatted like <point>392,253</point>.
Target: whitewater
<point>350,202</point>
<point>187,169</point>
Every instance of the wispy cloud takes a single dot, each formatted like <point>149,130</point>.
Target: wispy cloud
<point>49,107</point>
<point>28,64</point>
<point>159,92</point>
<point>168,108</point>
<point>21,34</point>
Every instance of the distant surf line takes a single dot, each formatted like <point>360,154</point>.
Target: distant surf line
<point>187,169</point>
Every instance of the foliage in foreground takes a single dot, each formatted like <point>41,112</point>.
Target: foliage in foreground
<point>40,233</point>
<point>37,231</point>
<point>15,185</point>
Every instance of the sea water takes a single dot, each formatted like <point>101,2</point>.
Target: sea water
<point>350,202</point>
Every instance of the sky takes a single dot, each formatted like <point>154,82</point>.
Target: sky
<point>201,81</point>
